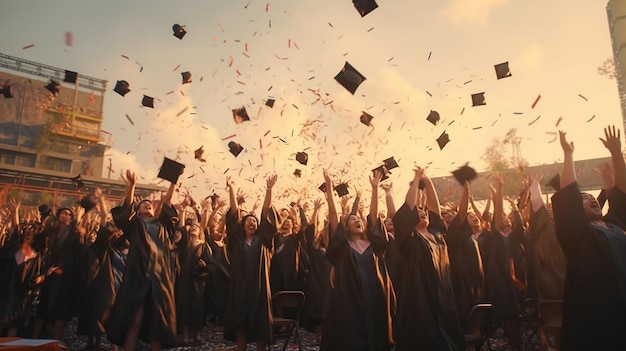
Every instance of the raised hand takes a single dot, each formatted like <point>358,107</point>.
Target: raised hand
<point>271,181</point>
<point>418,174</point>
<point>130,179</point>
<point>328,182</point>
<point>568,147</point>
<point>387,187</point>
<point>375,179</point>
<point>317,204</point>
<point>612,140</point>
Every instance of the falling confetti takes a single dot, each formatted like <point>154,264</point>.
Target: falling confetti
<point>536,101</point>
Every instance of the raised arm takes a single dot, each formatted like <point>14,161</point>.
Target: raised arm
<point>130,180</point>
<point>463,204</point>
<point>374,181</point>
<point>411,195</point>
<point>333,220</point>
<point>498,204</point>
<point>536,198</point>
<point>432,200</point>
<point>234,205</point>
<point>104,209</point>
<point>613,143</point>
<point>391,207</point>
<point>267,203</point>
<point>14,206</point>
<point>568,173</point>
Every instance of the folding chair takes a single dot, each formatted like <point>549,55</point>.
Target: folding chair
<point>477,327</point>
<point>550,313</point>
<point>287,309</point>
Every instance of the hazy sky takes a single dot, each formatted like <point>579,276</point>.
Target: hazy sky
<point>242,52</point>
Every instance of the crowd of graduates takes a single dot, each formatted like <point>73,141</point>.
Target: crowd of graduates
<point>374,279</point>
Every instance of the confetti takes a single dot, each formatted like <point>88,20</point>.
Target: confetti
<point>28,46</point>
<point>592,117</point>
<point>267,7</point>
<point>535,120</point>
<point>230,62</point>
<point>429,94</point>
<point>582,97</point>
<point>229,137</point>
<point>130,120</point>
<point>429,54</point>
<point>124,56</point>
<point>68,38</point>
<point>536,101</point>
<point>559,121</point>
<point>177,67</point>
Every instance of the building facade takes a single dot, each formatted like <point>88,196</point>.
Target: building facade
<point>616,12</point>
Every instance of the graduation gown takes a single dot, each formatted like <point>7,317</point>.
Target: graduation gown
<point>317,288</point>
<point>190,285</point>
<point>148,278</point>
<point>249,302</point>
<point>550,264</point>
<point>594,314</point>
<point>427,318</point>
<point>216,289</point>
<point>354,322</point>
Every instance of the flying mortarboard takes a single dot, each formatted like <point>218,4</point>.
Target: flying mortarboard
<point>121,87</point>
<point>171,170</point>
<point>349,78</point>
<point>302,157</point>
<point>463,174</point>
<point>433,117</point>
<point>342,189</point>
<point>297,173</point>
<point>478,99</point>
<point>443,139</point>
<point>70,77</point>
<point>179,31</point>
<point>322,187</point>
<point>6,91</point>
<point>198,154</point>
<point>365,6</point>
<point>391,163</point>
<point>384,171</point>
<point>366,119</point>
<point>78,181</point>
<point>53,87</point>
<point>147,101</point>
<point>186,77</point>
<point>234,148</point>
<point>270,103</point>
<point>240,115</point>
<point>503,70</point>
<point>555,182</point>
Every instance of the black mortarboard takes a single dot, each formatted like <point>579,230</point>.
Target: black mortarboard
<point>214,198</point>
<point>478,99</point>
<point>78,181</point>
<point>443,139</point>
<point>270,103</point>
<point>234,148</point>
<point>170,170</point>
<point>463,174</point>
<point>6,91</point>
<point>121,87</point>
<point>70,77</point>
<point>365,6</point>
<point>198,154</point>
<point>366,118</point>
<point>391,163</point>
<point>179,31</point>
<point>322,187</point>
<point>297,173</point>
<point>433,117</point>
<point>342,189</point>
<point>240,115</point>
<point>502,70</point>
<point>384,171</point>
<point>302,157</point>
<point>186,77</point>
<point>555,182</point>
<point>53,87</point>
<point>349,78</point>
<point>147,101</point>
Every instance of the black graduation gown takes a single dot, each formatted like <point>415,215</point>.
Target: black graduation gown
<point>346,326</point>
<point>249,300</point>
<point>466,266</point>
<point>594,316</point>
<point>550,264</point>
<point>427,318</point>
<point>102,285</point>
<point>317,288</point>
<point>190,285</point>
<point>148,279</point>
<point>289,266</point>
<point>216,290</point>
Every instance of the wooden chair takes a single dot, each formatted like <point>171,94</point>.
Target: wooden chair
<point>287,309</point>
<point>478,326</point>
<point>550,314</point>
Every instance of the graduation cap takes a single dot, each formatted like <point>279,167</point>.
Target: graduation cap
<point>341,189</point>
<point>322,187</point>
<point>366,119</point>
<point>240,115</point>
<point>171,170</point>
<point>147,101</point>
<point>349,78</point>
<point>270,103</point>
<point>391,163</point>
<point>433,117</point>
<point>555,182</point>
<point>297,173</point>
<point>179,31</point>
<point>121,87</point>
<point>302,157</point>
<point>365,6</point>
<point>478,99</point>
<point>78,181</point>
<point>464,174</point>
<point>54,87</point>
<point>234,148</point>
<point>186,77</point>
<point>443,139</point>
<point>502,70</point>
<point>384,171</point>
<point>198,154</point>
<point>70,77</point>
<point>6,91</point>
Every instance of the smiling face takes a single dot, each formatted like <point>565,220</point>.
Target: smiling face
<point>592,207</point>
<point>473,220</point>
<point>250,225</point>
<point>354,225</point>
<point>424,220</point>
<point>287,226</point>
<point>145,209</point>
<point>389,225</point>
<point>65,216</point>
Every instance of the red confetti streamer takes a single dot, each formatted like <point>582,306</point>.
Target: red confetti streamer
<point>289,43</point>
<point>177,67</point>
<point>245,47</point>
<point>28,46</point>
<point>230,62</point>
<point>559,121</point>
<point>267,7</point>
<point>536,101</point>
<point>229,137</point>
<point>463,110</point>
<point>469,81</point>
<point>266,133</point>
<point>260,143</point>
<point>69,38</point>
